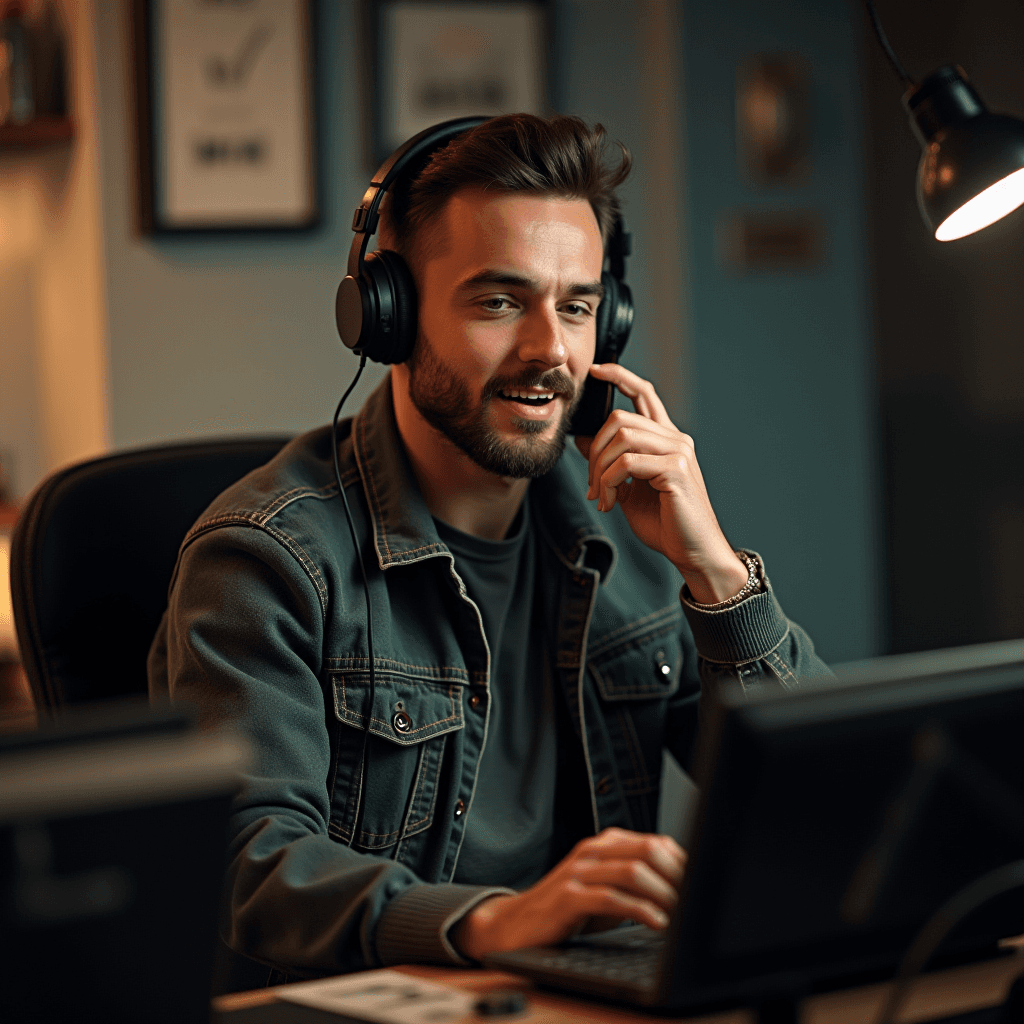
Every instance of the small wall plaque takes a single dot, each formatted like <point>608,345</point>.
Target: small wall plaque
<point>773,118</point>
<point>771,241</point>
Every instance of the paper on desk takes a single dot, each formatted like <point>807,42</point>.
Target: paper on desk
<point>384,997</point>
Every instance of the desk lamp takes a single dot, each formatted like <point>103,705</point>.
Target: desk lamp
<point>972,165</point>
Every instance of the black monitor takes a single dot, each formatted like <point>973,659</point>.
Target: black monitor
<point>835,819</point>
<point>112,832</point>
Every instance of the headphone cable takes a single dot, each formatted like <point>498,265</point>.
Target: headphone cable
<point>363,766</point>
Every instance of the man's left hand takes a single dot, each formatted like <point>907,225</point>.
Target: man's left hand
<point>645,463</point>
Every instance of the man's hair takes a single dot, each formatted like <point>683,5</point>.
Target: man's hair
<point>560,157</point>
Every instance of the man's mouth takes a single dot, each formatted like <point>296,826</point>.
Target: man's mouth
<point>529,396</point>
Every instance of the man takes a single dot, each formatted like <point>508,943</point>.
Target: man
<point>531,654</point>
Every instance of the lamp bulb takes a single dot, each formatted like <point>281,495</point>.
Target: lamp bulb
<point>985,208</point>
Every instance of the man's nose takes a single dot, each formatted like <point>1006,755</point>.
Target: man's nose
<point>541,338</point>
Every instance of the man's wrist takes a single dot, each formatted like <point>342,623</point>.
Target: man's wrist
<point>718,583</point>
<point>472,935</point>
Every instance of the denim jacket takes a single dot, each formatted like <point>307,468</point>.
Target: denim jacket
<point>266,631</point>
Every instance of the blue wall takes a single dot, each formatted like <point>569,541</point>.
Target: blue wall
<point>783,385</point>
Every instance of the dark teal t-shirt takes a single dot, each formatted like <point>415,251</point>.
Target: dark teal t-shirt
<point>510,831</point>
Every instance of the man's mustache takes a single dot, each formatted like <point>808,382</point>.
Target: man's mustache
<point>554,380</point>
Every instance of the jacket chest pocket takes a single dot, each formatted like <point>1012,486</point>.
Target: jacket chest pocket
<point>409,726</point>
<point>647,668</point>
<point>633,681</point>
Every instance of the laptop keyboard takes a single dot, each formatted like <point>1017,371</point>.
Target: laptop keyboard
<point>634,958</point>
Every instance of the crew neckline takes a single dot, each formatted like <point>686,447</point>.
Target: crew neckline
<point>467,544</point>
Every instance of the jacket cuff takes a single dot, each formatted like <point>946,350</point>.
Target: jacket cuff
<point>745,632</point>
<point>414,926</point>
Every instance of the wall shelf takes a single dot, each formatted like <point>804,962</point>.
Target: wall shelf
<point>40,131</point>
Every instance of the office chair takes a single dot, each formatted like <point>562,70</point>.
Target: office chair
<point>92,556</point>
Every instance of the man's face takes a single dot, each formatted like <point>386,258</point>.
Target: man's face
<point>508,294</point>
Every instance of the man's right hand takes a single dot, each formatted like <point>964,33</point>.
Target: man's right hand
<point>608,878</point>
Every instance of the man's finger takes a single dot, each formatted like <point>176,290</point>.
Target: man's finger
<point>637,466</point>
<point>639,391</point>
<point>663,853</point>
<point>607,901</point>
<point>632,876</point>
<point>618,421</point>
<point>631,440</point>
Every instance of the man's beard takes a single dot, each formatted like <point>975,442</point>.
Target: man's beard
<point>444,401</point>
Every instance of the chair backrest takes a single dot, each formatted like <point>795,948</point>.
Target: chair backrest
<point>92,556</point>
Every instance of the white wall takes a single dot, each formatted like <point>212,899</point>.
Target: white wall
<point>227,336</point>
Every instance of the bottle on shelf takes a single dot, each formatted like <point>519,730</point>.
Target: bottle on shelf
<point>49,62</point>
<point>5,80</point>
<point>16,81</point>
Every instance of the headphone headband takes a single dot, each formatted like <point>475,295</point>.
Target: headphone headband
<point>620,245</point>
<point>364,221</point>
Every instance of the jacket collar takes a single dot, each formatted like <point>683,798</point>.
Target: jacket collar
<point>403,529</point>
<point>569,523</point>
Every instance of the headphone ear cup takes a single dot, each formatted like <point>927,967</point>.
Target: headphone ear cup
<point>387,296</point>
<point>614,319</point>
<point>403,290</point>
<point>605,316</point>
<point>622,324</point>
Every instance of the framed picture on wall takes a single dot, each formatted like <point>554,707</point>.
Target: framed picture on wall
<point>433,60</point>
<point>225,103</point>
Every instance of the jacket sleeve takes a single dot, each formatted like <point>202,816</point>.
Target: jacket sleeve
<point>242,640</point>
<point>751,642</point>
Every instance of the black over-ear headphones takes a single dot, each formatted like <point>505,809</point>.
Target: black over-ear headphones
<point>376,302</point>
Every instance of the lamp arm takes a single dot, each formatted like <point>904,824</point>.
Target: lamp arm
<point>884,43</point>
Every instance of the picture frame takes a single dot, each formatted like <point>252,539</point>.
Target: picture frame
<point>434,60</point>
<point>226,116</point>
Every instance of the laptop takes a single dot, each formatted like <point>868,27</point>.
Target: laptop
<point>112,828</point>
<point>833,821</point>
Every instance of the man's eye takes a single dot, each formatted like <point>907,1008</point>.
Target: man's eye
<point>496,304</point>
<point>577,309</point>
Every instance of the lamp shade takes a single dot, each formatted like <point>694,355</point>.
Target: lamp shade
<point>972,166</point>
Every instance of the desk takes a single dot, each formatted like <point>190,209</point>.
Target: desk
<point>942,994</point>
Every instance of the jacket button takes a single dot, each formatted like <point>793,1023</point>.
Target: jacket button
<point>460,808</point>
<point>401,722</point>
<point>476,702</point>
<point>603,785</point>
<point>662,667</point>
